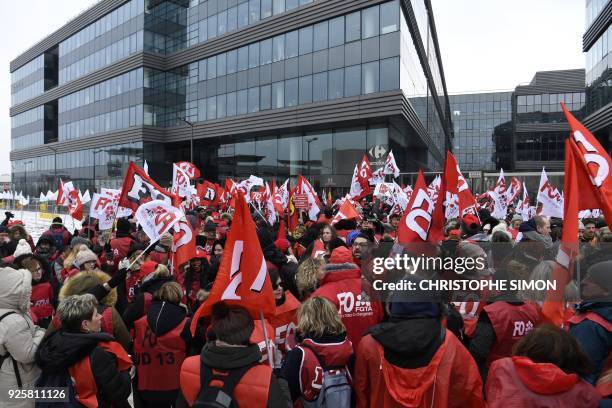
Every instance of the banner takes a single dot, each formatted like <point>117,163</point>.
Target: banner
<point>139,188</point>
<point>549,197</point>
<point>189,169</point>
<point>69,196</point>
<point>157,217</point>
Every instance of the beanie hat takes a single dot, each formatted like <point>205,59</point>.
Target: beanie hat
<point>467,249</point>
<point>415,303</point>
<point>84,255</point>
<point>341,255</point>
<point>123,225</point>
<point>76,241</point>
<point>147,268</point>
<point>470,224</point>
<point>517,217</point>
<point>166,240</point>
<point>210,226</point>
<point>282,244</point>
<point>57,221</point>
<point>599,273</point>
<point>22,248</point>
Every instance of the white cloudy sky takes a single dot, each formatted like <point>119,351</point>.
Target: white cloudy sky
<point>486,44</point>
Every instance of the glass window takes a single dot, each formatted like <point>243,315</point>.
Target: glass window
<point>232,61</point>
<point>278,6</point>
<point>319,87</point>
<point>349,147</point>
<point>243,15</point>
<point>291,4</point>
<point>336,31</point>
<point>212,26</point>
<point>389,17</point>
<point>278,45</point>
<point>291,44</point>
<point>353,26</point>
<point>305,90</point>
<point>222,23</point>
<point>278,95</point>
<point>254,55</point>
<point>231,104</point>
<point>306,40</point>
<point>265,52</point>
<point>254,10</point>
<point>320,36</point>
<point>242,99</point>
<point>370,20</point>
<point>352,80</point>
<point>221,106</point>
<point>211,108</point>
<point>265,97</point>
<point>266,8</point>
<point>291,92</point>
<point>232,18</point>
<point>370,78</point>
<point>335,84</point>
<point>221,64</point>
<point>522,100</point>
<point>253,99</point>
<point>389,74</point>
<point>212,67</point>
<point>243,58</point>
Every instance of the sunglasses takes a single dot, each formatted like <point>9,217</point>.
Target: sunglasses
<point>277,285</point>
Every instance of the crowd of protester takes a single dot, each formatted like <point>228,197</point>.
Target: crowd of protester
<point>108,315</point>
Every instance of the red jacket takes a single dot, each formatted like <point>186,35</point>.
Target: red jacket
<point>519,382</point>
<point>450,380</point>
<point>42,300</point>
<point>342,285</point>
<point>121,247</point>
<point>284,322</point>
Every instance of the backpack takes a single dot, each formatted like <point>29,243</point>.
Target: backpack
<point>336,389</point>
<point>57,379</point>
<point>8,355</point>
<point>221,394</point>
<point>58,239</point>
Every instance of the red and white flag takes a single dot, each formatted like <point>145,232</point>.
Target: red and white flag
<point>209,193</point>
<point>189,168</point>
<point>157,217</point>
<point>69,196</point>
<point>417,223</point>
<point>183,243</point>
<point>103,208</point>
<point>364,174</point>
<point>550,198</point>
<point>314,205</point>
<point>268,202</point>
<point>378,176</point>
<point>391,166</point>
<point>434,188</point>
<point>457,185</point>
<point>281,197</point>
<point>356,190</point>
<point>243,276</point>
<point>180,182</point>
<point>139,188</point>
<point>524,208</point>
<point>514,190</point>
<point>115,194</point>
<point>346,212</point>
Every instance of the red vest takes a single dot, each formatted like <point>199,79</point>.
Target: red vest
<point>84,382</point>
<point>284,323</point>
<point>158,359</point>
<point>42,300</point>
<point>251,391</point>
<point>318,248</point>
<point>120,247</point>
<point>257,337</point>
<point>510,323</point>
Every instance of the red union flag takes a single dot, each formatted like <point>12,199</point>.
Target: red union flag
<point>183,244</point>
<point>157,217</point>
<point>346,212</point>
<point>180,182</point>
<point>69,196</point>
<point>243,276</point>
<point>593,165</point>
<point>417,220</point>
<point>456,184</point>
<point>190,169</point>
<point>209,193</point>
<point>103,208</point>
<point>139,188</point>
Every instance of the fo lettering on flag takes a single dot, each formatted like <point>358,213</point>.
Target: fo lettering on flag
<point>157,217</point>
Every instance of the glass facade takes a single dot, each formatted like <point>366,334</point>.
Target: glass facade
<point>107,106</point>
<point>38,174</point>
<point>111,38</point>
<point>546,108</point>
<point>599,72</point>
<point>28,81</point>
<point>593,8</point>
<point>540,146</point>
<point>475,118</point>
<point>27,129</point>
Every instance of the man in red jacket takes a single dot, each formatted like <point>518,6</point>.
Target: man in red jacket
<point>343,286</point>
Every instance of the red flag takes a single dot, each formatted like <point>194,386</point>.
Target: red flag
<point>69,196</point>
<point>139,188</point>
<point>209,193</point>
<point>183,244</point>
<point>282,230</point>
<point>347,212</point>
<point>417,224</point>
<point>456,184</point>
<point>593,169</point>
<point>364,175</point>
<point>243,276</point>
<point>293,212</point>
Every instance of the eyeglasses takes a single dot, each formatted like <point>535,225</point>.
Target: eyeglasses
<point>277,285</point>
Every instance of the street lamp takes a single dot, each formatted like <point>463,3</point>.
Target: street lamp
<point>309,141</point>
<point>191,142</point>
<point>95,152</point>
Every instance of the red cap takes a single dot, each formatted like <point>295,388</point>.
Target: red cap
<point>147,268</point>
<point>282,244</point>
<point>341,255</point>
<point>470,219</point>
<point>456,233</point>
<point>200,253</point>
<point>14,222</point>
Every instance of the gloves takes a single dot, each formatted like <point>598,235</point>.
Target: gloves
<point>9,215</point>
<point>124,264</point>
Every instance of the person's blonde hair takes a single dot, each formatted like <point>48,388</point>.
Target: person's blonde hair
<point>69,260</point>
<point>170,292</point>
<point>318,317</point>
<point>306,277</point>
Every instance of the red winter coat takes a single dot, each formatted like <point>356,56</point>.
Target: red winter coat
<point>342,285</point>
<point>519,382</point>
<point>450,380</point>
<point>121,247</point>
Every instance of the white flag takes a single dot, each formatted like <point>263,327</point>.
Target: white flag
<point>550,198</point>
<point>103,208</point>
<point>43,198</point>
<point>356,189</point>
<point>86,197</point>
<point>391,166</point>
<point>157,217</point>
<point>180,182</point>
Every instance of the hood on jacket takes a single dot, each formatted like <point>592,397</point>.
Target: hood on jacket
<point>229,357</point>
<point>411,386</point>
<point>604,309</point>
<point>335,350</point>
<point>85,280</point>
<point>338,272</point>
<point>543,378</point>
<point>47,272</point>
<point>15,289</point>
<point>163,317</point>
<point>61,349</point>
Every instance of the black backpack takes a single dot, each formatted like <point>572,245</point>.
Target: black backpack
<point>219,396</point>
<point>57,379</point>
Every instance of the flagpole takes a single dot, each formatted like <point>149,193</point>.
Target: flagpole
<point>142,253</point>
<point>263,326</point>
